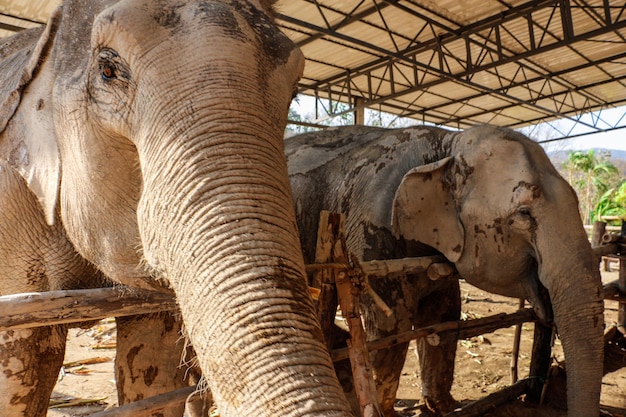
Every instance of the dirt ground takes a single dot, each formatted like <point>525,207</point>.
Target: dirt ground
<point>482,367</point>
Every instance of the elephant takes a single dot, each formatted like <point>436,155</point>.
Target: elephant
<point>141,144</point>
<point>490,201</point>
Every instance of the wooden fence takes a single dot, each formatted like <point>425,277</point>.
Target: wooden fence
<point>334,265</point>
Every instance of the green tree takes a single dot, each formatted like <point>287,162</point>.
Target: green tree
<point>592,177</point>
<point>294,128</point>
<point>612,202</point>
<point>312,121</point>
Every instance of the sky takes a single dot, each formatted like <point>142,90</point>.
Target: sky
<point>615,139</point>
<point>613,121</point>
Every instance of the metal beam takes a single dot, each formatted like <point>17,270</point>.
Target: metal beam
<point>12,28</point>
<point>486,36</point>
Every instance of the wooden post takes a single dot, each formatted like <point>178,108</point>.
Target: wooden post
<point>516,344</point>
<point>359,112</point>
<point>540,362</point>
<point>348,296</point>
<point>359,356</point>
<point>325,278</point>
<point>621,309</point>
<point>597,234</point>
<point>599,229</point>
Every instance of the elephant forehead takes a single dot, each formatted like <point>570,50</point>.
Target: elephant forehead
<point>501,165</point>
<point>145,22</point>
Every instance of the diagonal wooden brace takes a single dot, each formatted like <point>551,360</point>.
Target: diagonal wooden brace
<point>331,247</point>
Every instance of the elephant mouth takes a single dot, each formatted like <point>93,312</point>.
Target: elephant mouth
<point>153,282</point>
<point>539,298</point>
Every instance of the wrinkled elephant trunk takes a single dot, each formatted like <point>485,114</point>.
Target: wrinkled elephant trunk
<point>223,233</point>
<point>572,279</point>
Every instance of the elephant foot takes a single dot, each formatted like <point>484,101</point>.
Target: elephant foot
<point>30,360</point>
<point>440,406</point>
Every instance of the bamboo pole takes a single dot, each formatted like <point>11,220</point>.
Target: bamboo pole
<point>382,268</point>
<point>22,311</point>
<point>610,238</point>
<point>438,270</point>
<point>484,405</point>
<point>73,306</point>
<point>461,329</point>
<point>610,249</point>
<point>149,406</point>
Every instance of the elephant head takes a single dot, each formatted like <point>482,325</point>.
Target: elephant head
<point>155,129</point>
<point>498,209</point>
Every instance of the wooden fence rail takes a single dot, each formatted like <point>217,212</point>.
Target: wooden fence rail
<point>21,311</point>
<point>28,310</point>
<point>461,329</point>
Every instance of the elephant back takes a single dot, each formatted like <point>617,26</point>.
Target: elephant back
<point>355,170</point>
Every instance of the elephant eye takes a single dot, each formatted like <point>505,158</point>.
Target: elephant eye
<point>108,71</point>
<point>522,219</point>
<point>111,66</point>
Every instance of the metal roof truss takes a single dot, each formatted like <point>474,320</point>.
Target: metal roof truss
<point>500,64</point>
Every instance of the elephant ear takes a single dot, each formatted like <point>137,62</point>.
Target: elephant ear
<point>424,210</point>
<point>26,101</point>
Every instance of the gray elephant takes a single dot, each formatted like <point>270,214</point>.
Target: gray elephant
<point>141,144</point>
<point>489,200</point>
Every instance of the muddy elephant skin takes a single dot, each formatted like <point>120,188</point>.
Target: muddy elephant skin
<point>486,198</point>
<point>142,144</point>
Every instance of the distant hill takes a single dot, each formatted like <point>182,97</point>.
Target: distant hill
<point>560,156</point>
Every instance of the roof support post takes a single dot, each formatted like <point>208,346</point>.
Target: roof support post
<point>359,111</point>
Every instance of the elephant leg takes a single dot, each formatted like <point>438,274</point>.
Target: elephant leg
<point>148,360</point>
<point>387,365</point>
<point>400,294</point>
<point>30,360</point>
<point>442,304</point>
<point>343,369</point>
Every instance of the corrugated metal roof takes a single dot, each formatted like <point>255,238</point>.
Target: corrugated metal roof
<point>448,62</point>
<point>18,14</point>
<point>458,63</point>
